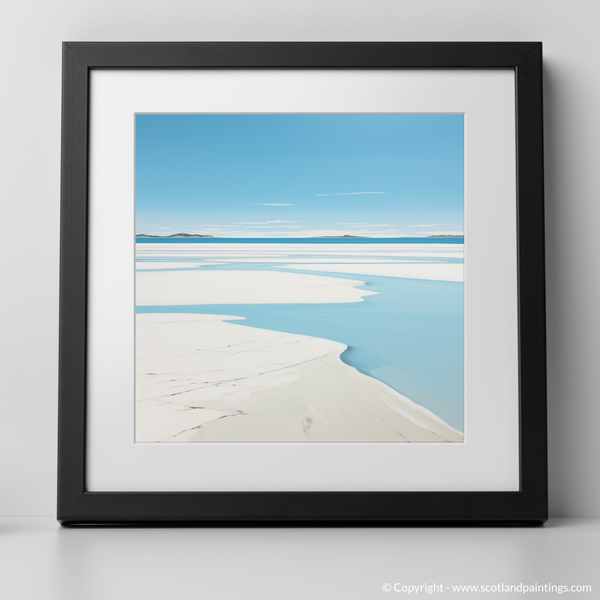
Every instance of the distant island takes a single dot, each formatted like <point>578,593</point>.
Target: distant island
<point>175,235</point>
<point>321,237</point>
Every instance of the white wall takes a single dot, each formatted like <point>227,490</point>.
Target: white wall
<point>31,32</point>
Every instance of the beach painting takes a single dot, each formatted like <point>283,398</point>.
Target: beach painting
<point>299,278</point>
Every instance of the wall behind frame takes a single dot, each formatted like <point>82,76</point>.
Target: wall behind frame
<point>31,36</point>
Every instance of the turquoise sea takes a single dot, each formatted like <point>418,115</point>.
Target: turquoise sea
<point>410,335</point>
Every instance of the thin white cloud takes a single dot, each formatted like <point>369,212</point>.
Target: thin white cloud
<point>202,225</point>
<point>365,230</point>
<point>429,225</point>
<point>253,233</point>
<point>271,204</point>
<point>266,222</point>
<point>306,233</point>
<point>377,231</point>
<point>368,224</point>
<point>350,193</point>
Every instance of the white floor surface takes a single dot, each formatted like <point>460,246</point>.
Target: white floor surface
<point>41,560</point>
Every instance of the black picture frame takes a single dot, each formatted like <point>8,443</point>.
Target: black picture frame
<point>76,505</point>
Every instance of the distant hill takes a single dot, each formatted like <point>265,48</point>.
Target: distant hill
<point>175,235</point>
<point>459,236</point>
<point>322,237</point>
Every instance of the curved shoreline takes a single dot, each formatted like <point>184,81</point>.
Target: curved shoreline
<point>395,312</point>
<point>202,379</point>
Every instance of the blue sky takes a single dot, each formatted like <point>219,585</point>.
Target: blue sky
<point>300,175</point>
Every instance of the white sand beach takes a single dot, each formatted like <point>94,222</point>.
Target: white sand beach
<point>233,251</point>
<point>151,265</point>
<point>200,378</point>
<point>437,272</point>
<point>316,260</point>
<point>161,288</point>
<point>211,378</point>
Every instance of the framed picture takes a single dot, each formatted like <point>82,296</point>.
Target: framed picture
<point>302,283</point>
